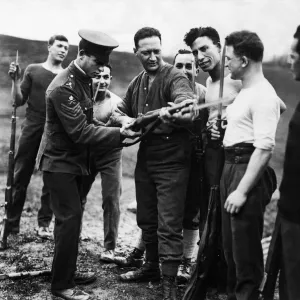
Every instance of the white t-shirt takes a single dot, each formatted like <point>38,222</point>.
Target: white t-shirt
<point>253,117</point>
<point>230,90</point>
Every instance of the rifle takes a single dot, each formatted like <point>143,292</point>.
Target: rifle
<point>222,68</point>
<point>267,287</point>
<point>209,240</point>
<point>21,275</point>
<point>4,229</point>
<point>185,107</point>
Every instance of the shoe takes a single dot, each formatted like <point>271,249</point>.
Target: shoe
<point>71,294</point>
<point>184,270</point>
<point>107,256</point>
<point>134,259</point>
<point>169,287</point>
<point>148,272</point>
<point>84,277</point>
<point>44,233</point>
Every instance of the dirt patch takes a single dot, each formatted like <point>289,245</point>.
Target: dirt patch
<point>26,252</point>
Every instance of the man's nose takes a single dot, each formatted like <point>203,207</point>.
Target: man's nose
<point>200,55</point>
<point>101,79</point>
<point>152,56</point>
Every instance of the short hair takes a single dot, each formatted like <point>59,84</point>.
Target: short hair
<point>57,37</point>
<point>145,32</point>
<point>109,66</point>
<point>195,33</point>
<point>182,51</point>
<point>246,43</point>
<point>297,36</point>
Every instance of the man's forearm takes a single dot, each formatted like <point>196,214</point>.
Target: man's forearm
<point>258,161</point>
<point>18,94</point>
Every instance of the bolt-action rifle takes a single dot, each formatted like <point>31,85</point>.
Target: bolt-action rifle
<point>272,268</point>
<point>208,246</point>
<point>4,228</point>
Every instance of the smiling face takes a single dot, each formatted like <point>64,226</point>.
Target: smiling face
<point>103,79</point>
<point>149,53</point>
<point>58,50</point>
<point>184,63</point>
<point>294,60</point>
<point>206,53</point>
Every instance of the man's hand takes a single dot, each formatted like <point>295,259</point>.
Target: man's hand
<point>235,201</point>
<point>183,116</point>
<point>214,132</point>
<point>14,71</point>
<point>126,132</point>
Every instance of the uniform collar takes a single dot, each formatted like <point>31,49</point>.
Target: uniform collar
<point>78,72</point>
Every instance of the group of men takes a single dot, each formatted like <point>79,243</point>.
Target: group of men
<point>78,131</point>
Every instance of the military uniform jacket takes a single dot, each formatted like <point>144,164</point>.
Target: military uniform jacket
<point>69,128</point>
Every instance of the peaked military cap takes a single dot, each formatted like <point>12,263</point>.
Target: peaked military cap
<point>97,43</point>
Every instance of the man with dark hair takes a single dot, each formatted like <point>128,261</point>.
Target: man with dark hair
<point>206,48</point>
<point>108,162</point>
<point>163,160</point>
<point>185,62</point>
<point>32,90</point>
<point>248,142</point>
<point>64,154</point>
<point>289,204</point>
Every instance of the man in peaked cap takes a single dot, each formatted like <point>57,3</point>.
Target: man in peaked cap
<point>64,156</point>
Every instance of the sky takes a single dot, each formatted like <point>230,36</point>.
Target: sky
<point>275,21</point>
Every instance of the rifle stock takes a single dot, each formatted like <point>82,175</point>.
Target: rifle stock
<point>267,287</point>
<point>4,227</point>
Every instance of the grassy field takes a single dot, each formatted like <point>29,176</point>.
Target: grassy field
<point>28,253</point>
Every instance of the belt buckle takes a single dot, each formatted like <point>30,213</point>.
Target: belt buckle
<point>237,159</point>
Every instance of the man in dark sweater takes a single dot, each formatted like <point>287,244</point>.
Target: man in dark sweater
<point>163,160</point>
<point>289,204</point>
<point>31,90</point>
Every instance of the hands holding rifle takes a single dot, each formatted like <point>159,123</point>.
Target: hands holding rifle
<point>185,115</point>
<point>127,130</point>
<point>14,71</point>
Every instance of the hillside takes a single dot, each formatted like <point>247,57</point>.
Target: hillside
<point>125,67</point>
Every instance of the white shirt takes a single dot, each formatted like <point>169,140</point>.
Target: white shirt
<point>253,117</point>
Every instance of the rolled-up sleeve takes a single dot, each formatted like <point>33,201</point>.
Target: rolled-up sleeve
<point>266,113</point>
<point>180,89</point>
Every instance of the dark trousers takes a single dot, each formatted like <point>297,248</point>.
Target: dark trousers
<point>161,178</point>
<point>193,196</point>
<point>289,280</point>
<point>29,142</point>
<point>109,165</point>
<point>242,232</point>
<point>65,194</point>
<point>214,163</point>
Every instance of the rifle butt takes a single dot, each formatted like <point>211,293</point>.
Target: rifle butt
<point>3,234</point>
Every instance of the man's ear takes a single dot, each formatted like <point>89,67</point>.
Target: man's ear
<point>81,53</point>
<point>197,71</point>
<point>134,51</point>
<point>245,61</point>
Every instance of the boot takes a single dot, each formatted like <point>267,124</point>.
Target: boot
<point>134,259</point>
<point>148,272</point>
<point>169,287</point>
<point>184,270</point>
